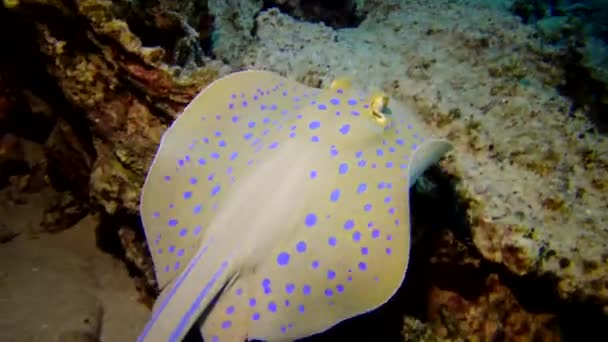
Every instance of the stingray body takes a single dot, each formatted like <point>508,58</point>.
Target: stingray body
<point>274,211</point>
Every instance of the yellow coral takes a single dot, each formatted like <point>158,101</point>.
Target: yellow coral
<point>10,3</point>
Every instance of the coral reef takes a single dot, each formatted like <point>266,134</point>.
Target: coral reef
<point>105,98</point>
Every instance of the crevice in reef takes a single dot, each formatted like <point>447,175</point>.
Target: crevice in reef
<point>182,30</point>
<point>33,117</point>
<point>585,91</point>
<point>335,14</point>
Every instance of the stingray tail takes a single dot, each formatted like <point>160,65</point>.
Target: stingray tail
<point>188,298</point>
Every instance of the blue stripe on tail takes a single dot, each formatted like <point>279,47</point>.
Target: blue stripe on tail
<point>183,324</point>
<point>178,283</point>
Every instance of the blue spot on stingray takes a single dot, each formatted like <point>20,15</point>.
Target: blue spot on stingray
<point>389,165</point>
<point>387,199</point>
<point>244,103</point>
<point>215,155</point>
<point>313,174</point>
<point>331,274</point>
<point>389,251</point>
<point>272,307</point>
<point>292,134</point>
<point>399,141</point>
<point>352,102</point>
<point>235,119</point>
<point>301,308</point>
<point>334,101</point>
<point>335,195</point>
<point>251,124</point>
<point>345,129</point>
<point>391,149</point>
<point>172,222</point>
<point>234,155</point>
<point>333,152</point>
<point>361,188</point>
<point>314,138</point>
<point>332,241</point>
<point>197,230</point>
<point>273,107</point>
<point>273,145</point>
<point>343,169</point>
<point>306,289</point>
<point>314,125</point>
<point>283,259</point>
<point>183,232</point>
<point>218,134</point>
<point>230,310</point>
<point>315,264</point>
<point>329,292</point>
<point>180,162</point>
<point>321,106</point>
<point>252,302</point>
<point>375,233</point>
<point>171,249</point>
<point>187,194</point>
<point>364,250</point>
<point>301,247</point>
<point>226,324</point>
<point>340,288</point>
<point>211,176</point>
<point>359,154</point>
<point>193,180</point>
<point>215,190</point>
<point>202,161</point>
<point>197,209</point>
<point>266,121</point>
<point>255,316</point>
<point>311,220</point>
<point>362,266</point>
<point>362,163</point>
<point>381,185</point>
<point>349,224</point>
<point>290,288</point>
<point>379,152</point>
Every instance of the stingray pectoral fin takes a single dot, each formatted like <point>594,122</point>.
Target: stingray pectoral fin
<point>193,291</point>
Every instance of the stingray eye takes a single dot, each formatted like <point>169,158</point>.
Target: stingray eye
<point>379,109</point>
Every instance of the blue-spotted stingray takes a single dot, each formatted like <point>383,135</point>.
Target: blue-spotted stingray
<point>273,211</point>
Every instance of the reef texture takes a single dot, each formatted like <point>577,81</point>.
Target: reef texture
<point>102,80</point>
<point>110,98</point>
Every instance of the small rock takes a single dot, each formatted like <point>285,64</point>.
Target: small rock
<point>12,158</point>
<point>63,212</point>
<point>6,234</point>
